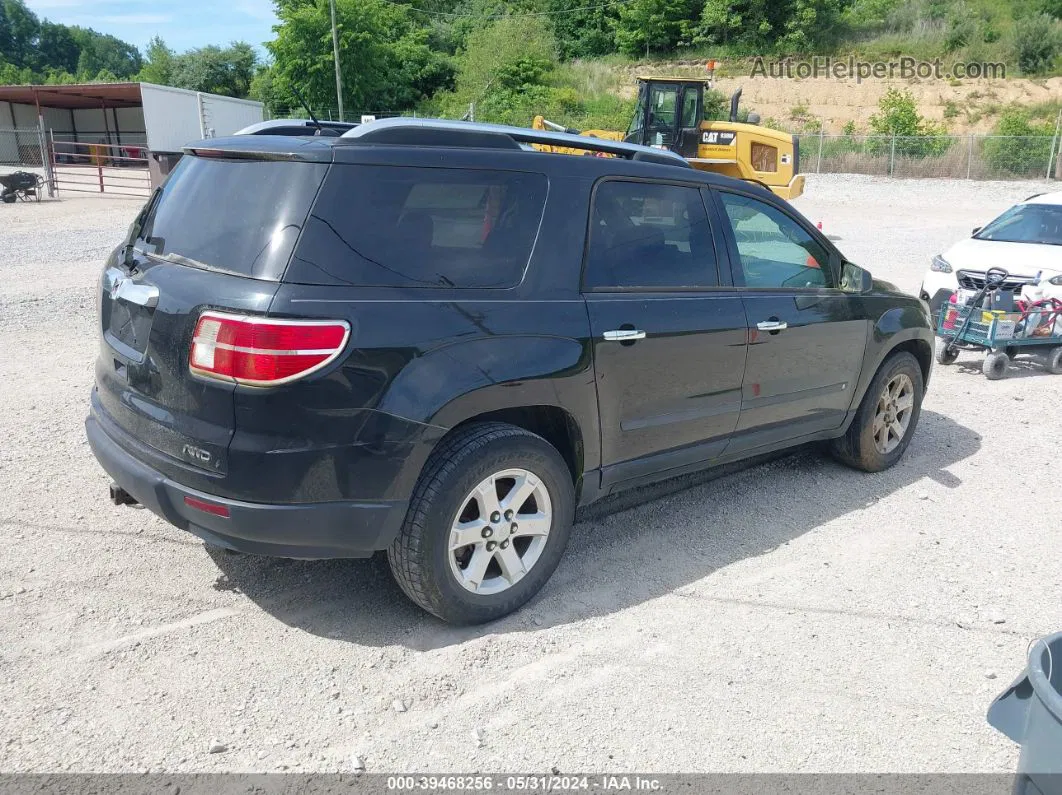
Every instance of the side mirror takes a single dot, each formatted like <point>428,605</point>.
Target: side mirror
<point>976,229</point>
<point>855,279</point>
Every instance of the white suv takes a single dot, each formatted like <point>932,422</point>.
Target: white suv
<point>1026,240</point>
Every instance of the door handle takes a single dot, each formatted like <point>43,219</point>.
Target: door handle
<point>624,335</point>
<point>772,325</point>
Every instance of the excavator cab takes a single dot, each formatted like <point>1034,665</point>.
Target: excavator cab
<point>668,115</point>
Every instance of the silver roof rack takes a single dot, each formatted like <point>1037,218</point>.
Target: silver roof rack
<point>446,132</point>
<point>304,127</point>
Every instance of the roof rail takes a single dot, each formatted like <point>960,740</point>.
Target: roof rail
<point>446,132</point>
<point>298,128</point>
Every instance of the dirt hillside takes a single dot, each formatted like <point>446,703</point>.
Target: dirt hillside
<point>963,105</point>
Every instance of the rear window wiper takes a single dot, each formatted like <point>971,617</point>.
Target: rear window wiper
<point>180,259</point>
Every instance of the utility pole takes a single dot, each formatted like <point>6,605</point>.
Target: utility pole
<point>335,48</point>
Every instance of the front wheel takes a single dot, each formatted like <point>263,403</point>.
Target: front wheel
<point>887,417</point>
<point>995,365</point>
<point>945,354</point>
<point>488,523</point>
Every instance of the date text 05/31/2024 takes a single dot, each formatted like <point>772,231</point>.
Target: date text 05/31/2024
<point>514,783</point>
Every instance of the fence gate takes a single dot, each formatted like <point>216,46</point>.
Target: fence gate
<point>110,169</point>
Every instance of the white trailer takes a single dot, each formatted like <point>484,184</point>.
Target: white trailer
<point>174,117</point>
<point>136,125</point>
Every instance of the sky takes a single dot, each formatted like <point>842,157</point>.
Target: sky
<point>182,23</point>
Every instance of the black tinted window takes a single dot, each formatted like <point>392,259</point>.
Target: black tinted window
<point>420,227</point>
<point>242,216</point>
<point>649,235</point>
<point>775,250</point>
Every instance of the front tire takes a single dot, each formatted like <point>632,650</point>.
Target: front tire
<point>944,354</point>
<point>995,365</point>
<point>488,523</point>
<point>887,417</point>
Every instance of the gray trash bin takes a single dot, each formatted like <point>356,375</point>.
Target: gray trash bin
<point>1030,713</point>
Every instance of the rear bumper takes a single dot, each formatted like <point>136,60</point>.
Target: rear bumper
<point>301,530</point>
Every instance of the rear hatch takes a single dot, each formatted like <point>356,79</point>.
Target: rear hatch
<point>218,235</point>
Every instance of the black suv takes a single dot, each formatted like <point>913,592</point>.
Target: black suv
<point>422,337</point>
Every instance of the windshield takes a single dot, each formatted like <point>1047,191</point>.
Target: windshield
<point>634,132</point>
<point>239,216</point>
<point>1026,223</point>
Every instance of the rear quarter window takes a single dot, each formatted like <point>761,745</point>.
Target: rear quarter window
<point>391,226</point>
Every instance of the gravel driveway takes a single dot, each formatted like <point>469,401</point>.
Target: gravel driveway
<point>795,616</point>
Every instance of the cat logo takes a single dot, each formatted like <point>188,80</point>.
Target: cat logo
<point>718,137</point>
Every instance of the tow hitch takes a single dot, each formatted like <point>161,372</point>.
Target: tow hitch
<point>120,496</point>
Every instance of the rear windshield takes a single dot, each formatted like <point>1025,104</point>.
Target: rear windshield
<point>392,226</point>
<point>239,216</point>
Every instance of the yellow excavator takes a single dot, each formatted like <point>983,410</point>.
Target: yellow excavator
<point>670,115</point>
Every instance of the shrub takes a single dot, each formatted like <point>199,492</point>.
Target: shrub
<point>1037,42</point>
<point>915,135</point>
<point>1025,147</point>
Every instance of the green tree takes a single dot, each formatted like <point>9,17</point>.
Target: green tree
<point>745,22</point>
<point>809,24</point>
<point>386,62</point>
<point>1037,43</point>
<point>56,48</point>
<point>647,25</point>
<point>158,67</point>
<point>583,30</point>
<point>214,70</point>
<point>101,52</point>
<point>19,29</point>
<point>504,72</point>
<point>789,25</point>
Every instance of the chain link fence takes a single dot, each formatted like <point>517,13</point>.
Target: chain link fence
<point>22,147</point>
<point>933,156</point>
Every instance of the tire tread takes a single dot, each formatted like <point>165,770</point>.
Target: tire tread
<point>406,553</point>
<point>849,449</point>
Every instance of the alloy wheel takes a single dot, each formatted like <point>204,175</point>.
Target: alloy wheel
<point>500,531</point>
<point>892,416</point>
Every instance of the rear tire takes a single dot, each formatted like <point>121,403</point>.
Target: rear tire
<point>885,421</point>
<point>484,468</point>
<point>995,366</point>
<point>1054,361</point>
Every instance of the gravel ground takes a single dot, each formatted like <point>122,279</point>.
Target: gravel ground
<point>795,616</point>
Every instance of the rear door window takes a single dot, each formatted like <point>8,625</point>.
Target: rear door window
<point>648,234</point>
<point>239,216</point>
<point>392,226</point>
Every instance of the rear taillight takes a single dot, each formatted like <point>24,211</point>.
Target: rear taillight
<point>263,351</point>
